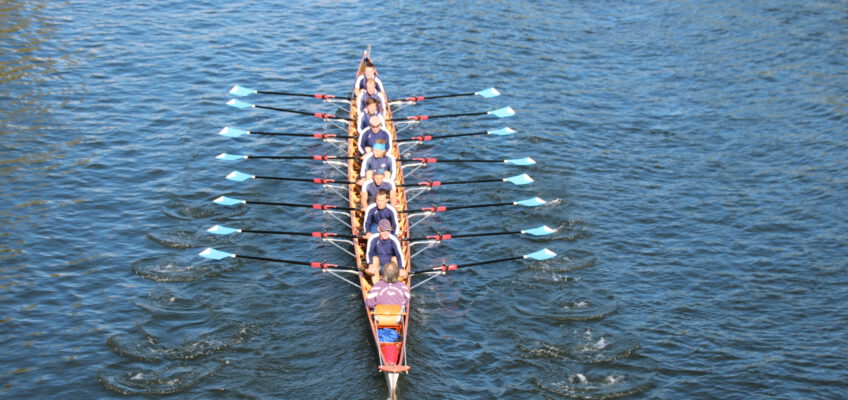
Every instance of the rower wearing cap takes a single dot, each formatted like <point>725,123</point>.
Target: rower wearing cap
<point>371,187</point>
<point>389,290</point>
<point>370,136</point>
<point>377,159</point>
<point>379,211</point>
<point>364,117</point>
<point>370,72</point>
<point>371,92</point>
<point>382,249</point>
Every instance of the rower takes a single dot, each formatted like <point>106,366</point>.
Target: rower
<point>377,159</point>
<point>371,92</point>
<point>370,72</point>
<point>370,136</point>
<point>364,117</point>
<point>371,187</point>
<point>388,291</point>
<point>379,211</point>
<point>382,249</point>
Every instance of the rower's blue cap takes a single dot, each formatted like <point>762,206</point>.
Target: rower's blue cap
<point>380,172</point>
<point>379,146</point>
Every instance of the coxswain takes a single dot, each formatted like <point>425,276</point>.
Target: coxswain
<point>388,290</point>
<point>377,159</point>
<point>370,136</point>
<point>370,72</point>
<point>371,187</point>
<point>371,92</point>
<point>379,211</point>
<point>364,118</point>
<point>382,249</point>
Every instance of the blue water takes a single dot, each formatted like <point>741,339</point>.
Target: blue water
<point>694,152</point>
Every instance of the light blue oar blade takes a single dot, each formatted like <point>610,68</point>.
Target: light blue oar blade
<point>222,230</point>
<point>228,201</point>
<point>502,131</point>
<point>540,255</point>
<point>521,161</point>
<point>540,231</point>
<point>213,254</point>
<point>233,132</point>
<point>239,176</point>
<point>241,91</point>
<point>534,202</point>
<point>503,112</point>
<point>230,157</point>
<point>522,179</point>
<point>239,104</point>
<point>489,93</point>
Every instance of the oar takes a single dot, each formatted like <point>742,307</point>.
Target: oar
<point>487,93</point>
<point>429,160</point>
<point>534,202</point>
<point>229,201</point>
<point>319,157</point>
<point>243,106</point>
<point>234,132</point>
<point>538,231</point>
<point>498,132</point>
<point>223,230</point>
<point>500,113</point>
<point>241,177</point>
<point>540,255</point>
<point>242,91</point>
<point>522,179</point>
<point>214,254</point>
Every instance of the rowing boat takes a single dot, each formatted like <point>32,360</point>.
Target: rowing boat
<point>391,354</point>
<point>389,325</point>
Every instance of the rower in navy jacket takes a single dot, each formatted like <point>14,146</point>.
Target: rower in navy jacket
<point>366,114</point>
<point>372,135</point>
<point>371,187</point>
<point>377,159</point>
<point>371,92</point>
<point>382,249</point>
<point>379,211</point>
<point>370,72</point>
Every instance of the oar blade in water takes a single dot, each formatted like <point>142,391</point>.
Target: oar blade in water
<point>228,201</point>
<point>534,202</point>
<point>522,179</point>
<point>230,157</point>
<point>540,231</point>
<point>241,91</point>
<point>233,132</point>
<point>213,254</point>
<point>541,255</point>
<point>502,132</point>
<point>489,93</point>
<point>239,104</point>
<point>239,176</point>
<point>222,230</point>
<point>503,112</point>
<point>521,161</point>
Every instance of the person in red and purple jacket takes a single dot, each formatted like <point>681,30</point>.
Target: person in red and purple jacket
<point>383,248</point>
<point>388,290</point>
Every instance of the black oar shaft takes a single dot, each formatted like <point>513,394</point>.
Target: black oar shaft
<point>315,206</point>
<point>323,181</point>
<point>315,135</point>
<point>441,96</point>
<point>317,115</point>
<point>467,235</point>
<point>442,183</point>
<point>453,267</point>
<point>318,157</point>
<point>449,160</point>
<point>296,262</point>
<point>428,137</point>
<point>317,96</point>
<point>479,206</point>
<point>314,234</point>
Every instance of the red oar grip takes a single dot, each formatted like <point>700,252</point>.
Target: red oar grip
<point>435,209</point>
<point>323,115</point>
<point>415,98</point>
<point>418,117</point>
<point>446,236</point>
<point>323,135</point>
<point>322,265</point>
<point>422,138</point>
<point>324,96</point>
<point>427,160</point>
<point>445,267</point>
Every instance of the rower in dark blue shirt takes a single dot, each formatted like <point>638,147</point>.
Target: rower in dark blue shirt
<point>370,136</point>
<point>378,159</point>
<point>365,115</point>
<point>382,249</point>
<point>380,210</point>
<point>371,187</point>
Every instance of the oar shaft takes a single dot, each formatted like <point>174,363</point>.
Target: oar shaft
<point>314,206</point>
<point>490,261</point>
<point>317,115</point>
<point>317,95</point>
<point>315,135</point>
<point>312,264</point>
<point>442,183</point>
<point>313,234</point>
<point>428,137</point>
<point>448,236</point>
<point>449,160</point>
<point>316,157</point>
<point>322,181</point>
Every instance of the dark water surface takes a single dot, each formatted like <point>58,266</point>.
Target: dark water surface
<point>696,150</point>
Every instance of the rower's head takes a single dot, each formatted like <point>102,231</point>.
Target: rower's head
<point>379,175</point>
<point>376,123</point>
<point>370,71</point>
<point>370,86</point>
<point>390,272</point>
<point>379,148</point>
<point>382,198</point>
<point>371,105</point>
<point>384,227</point>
